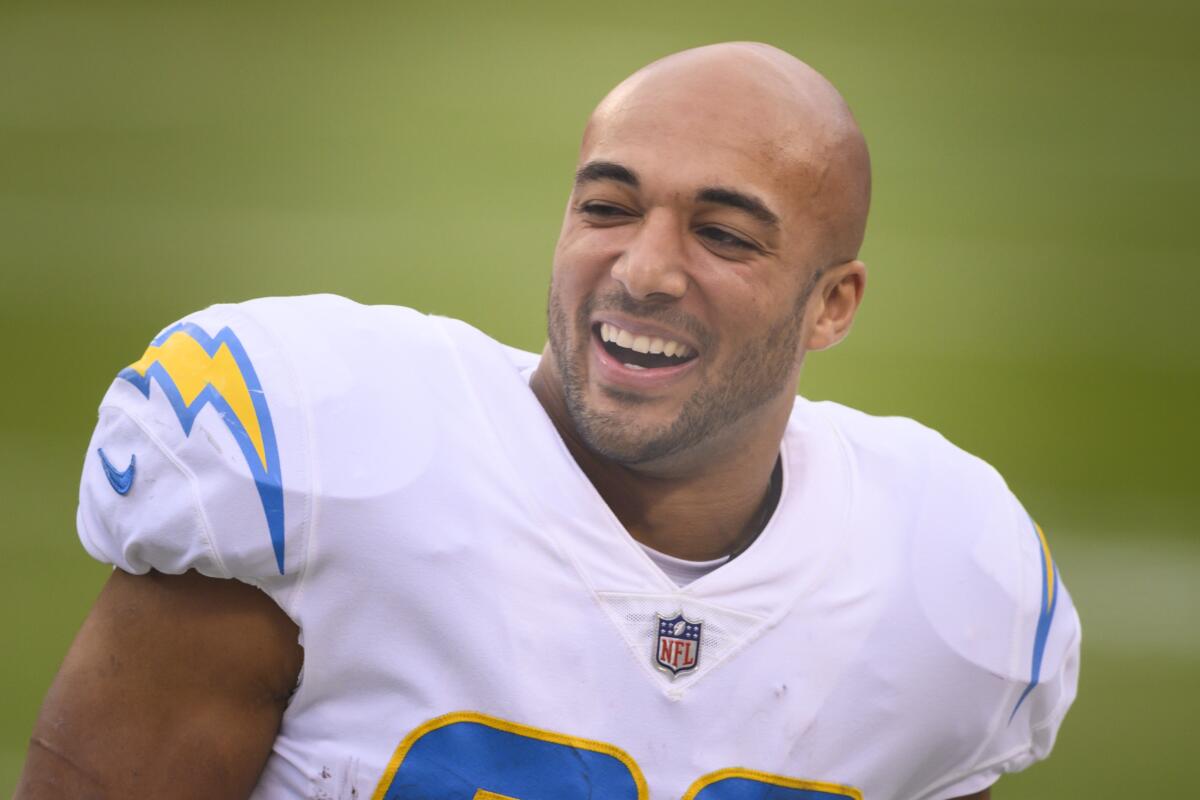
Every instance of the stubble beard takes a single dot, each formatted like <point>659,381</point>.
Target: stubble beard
<point>759,373</point>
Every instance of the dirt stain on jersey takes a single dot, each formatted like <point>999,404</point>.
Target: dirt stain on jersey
<point>335,783</point>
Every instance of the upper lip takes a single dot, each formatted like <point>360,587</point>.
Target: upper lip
<point>643,328</point>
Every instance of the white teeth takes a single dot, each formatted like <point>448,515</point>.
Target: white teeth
<point>642,344</point>
<point>635,366</point>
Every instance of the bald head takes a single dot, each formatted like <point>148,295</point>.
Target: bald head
<point>768,105</point>
<point>717,210</point>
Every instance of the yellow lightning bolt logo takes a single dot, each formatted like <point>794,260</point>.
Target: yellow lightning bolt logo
<point>195,370</point>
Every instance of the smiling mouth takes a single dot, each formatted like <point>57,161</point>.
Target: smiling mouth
<point>640,351</point>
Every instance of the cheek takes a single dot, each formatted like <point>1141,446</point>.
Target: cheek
<point>582,264</point>
<point>567,290</point>
<point>746,311</point>
<point>572,287</point>
<point>735,296</point>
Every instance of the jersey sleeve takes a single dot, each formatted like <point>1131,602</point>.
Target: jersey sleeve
<point>1009,614</point>
<point>199,457</point>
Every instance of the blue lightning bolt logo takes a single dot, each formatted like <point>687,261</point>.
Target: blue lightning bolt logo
<point>195,370</point>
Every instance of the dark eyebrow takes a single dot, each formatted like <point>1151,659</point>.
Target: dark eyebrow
<point>728,197</point>
<point>605,171</point>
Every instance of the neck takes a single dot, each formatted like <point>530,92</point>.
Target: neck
<point>696,506</point>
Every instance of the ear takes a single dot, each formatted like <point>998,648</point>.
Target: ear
<point>834,303</point>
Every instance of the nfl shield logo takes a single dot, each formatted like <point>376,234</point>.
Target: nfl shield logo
<point>677,646</point>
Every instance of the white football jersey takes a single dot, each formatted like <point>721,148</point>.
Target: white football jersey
<point>476,623</point>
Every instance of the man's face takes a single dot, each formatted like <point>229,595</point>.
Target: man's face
<point>686,236</point>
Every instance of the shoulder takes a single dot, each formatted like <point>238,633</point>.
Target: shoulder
<point>975,552</point>
<point>219,425</point>
<point>335,342</point>
<point>915,475</point>
<point>208,429</point>
<point>975,568</point>
<point>883,444</point>
<point>262,357</point>
<point>299,356</point>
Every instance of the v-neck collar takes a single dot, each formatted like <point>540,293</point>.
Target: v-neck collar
<point>791,555</point>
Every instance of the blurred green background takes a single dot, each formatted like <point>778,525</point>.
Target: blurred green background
<point>1033,281</point>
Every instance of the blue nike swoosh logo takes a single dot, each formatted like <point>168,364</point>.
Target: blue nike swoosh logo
<point>120,480</point>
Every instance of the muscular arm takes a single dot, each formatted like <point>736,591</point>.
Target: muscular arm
<point>174,687</point>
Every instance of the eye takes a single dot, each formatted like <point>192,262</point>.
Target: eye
<point>600,210</point>
<point>725,239</point>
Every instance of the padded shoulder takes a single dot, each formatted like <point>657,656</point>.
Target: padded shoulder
<point>230,411</point>
<point>989,585</point>
<point>985,579</point>
<point>977,556</point>
<point>207,436</point>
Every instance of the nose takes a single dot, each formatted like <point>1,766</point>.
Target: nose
<point>654,265</point>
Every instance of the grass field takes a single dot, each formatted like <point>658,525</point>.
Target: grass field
<point>1032,251</point>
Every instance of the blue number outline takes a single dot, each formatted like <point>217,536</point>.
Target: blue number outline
<point>834,791</point>
<point>509,727</point>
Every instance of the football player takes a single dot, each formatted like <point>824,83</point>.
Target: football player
<point>363,552</point>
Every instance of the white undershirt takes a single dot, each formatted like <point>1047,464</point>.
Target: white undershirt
<point>681,571</point>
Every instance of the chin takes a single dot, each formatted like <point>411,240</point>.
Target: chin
<point>628,432</point>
